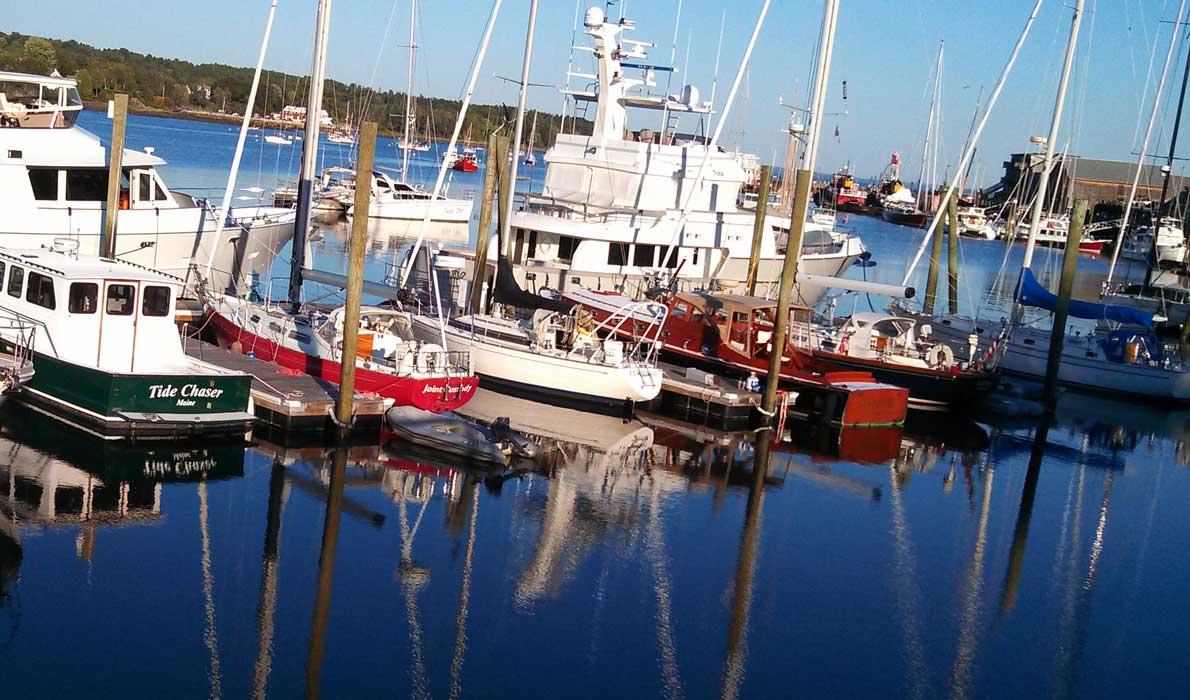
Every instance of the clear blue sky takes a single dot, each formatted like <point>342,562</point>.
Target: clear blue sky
<point>885,51</point>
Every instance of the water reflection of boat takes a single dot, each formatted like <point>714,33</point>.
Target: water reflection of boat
<point>10,555</point>
<point>24,432</point>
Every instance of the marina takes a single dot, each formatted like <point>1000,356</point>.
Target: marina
<point>547,337</point>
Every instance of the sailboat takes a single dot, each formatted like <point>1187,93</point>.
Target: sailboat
<point>401,199</point>
<point>536,346</point>
<point>343,136</point>
<point>1127,359</point>
<point>531,159</point>
<point>306,338</point>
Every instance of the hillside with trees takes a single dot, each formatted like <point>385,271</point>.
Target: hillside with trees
<point>156,84</point>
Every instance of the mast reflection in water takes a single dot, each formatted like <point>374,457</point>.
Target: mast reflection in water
<point>634,558</point>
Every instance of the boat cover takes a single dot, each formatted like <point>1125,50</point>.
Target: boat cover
<point>509,293</point>
<point>1030,292</point>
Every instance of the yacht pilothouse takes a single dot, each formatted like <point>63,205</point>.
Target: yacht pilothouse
<point>54,180</point>
<point>620,207</point>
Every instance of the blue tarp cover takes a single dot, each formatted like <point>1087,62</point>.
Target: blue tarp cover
<point>1030,292</point>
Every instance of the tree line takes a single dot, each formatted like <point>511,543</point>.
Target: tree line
<point>167,84</point>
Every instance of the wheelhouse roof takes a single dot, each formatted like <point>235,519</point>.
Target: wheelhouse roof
<point>7,76</point>
<point>69,266</point>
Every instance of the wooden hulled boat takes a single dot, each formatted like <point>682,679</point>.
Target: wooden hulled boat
<point>729,334</point>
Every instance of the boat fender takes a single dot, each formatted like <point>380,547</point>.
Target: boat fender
<point>939,356</point>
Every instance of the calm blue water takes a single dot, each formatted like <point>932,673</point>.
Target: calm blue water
<point>951,560</point>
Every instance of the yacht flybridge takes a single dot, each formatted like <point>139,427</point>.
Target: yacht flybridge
<point>53,184</point>
<point>610,213</point>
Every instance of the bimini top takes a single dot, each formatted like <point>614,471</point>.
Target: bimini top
<point>69,266</point>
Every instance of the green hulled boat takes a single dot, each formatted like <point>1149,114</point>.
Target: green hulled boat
<point>106,351</point>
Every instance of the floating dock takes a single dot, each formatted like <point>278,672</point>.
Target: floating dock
<point>290,404</point>
<point>705,399</point>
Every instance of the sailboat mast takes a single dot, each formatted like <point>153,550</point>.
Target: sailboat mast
<point>1144,146</point>
<point>225,210</point>
<point>519,128</point>
<point>309,153</point>
<point>409,92</point>
<point>925,146</point>
<point>1052,138</point>
<point>1173,140</point>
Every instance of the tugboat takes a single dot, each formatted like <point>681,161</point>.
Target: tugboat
<point>843,194</point>
<point>108,355</point>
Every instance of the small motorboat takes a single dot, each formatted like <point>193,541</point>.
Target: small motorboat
<point>465,163</point>
<point>445,433</point>
<point>278,140</point>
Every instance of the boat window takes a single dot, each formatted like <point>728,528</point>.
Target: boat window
<point>86,185</point>
<point>155,301</point>
<point>644,255</point>
<point>84,298</point>
<point>694,258</point>
<point>617,253</point>
<point>121,298</point>
<point>144,187</point>
<point>671,261</point>
<point>2,266</point>
<point>680,310</point>
<point>40,291</point>
<point>566,247</point>
<point>45,184</point>
<point>16,281</point>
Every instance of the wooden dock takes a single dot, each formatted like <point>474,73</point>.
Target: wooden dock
<point>290,404</point>
<point>706,399</point>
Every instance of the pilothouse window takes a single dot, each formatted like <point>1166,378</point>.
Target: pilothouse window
<point>84,298</point>
<point>45,184</point>
<point>16,280</point>
<point>155,301</point>
<point>120,299</point>
<point>86,185</point>
<point>40,291</point>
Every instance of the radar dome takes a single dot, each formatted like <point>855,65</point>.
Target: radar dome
<point>689,95</point>
<point>594,17</point>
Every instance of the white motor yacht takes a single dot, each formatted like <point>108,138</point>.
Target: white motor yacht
<point>610,212</point>
<point>394,199</point>
<point>53,184</point>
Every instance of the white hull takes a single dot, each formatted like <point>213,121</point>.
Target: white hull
<point>1084,365</point>
<point>515,367</point>
<point>169,241</point>
<point>441,210</point>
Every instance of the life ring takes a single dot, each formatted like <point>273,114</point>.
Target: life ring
<point>939,356</point>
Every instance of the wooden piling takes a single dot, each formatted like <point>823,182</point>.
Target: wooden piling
<point>107,246</point>
<point>497,145</point>
<point>932,275</point>
<point>797,229</point>
<point>1062,310</point>
<point>762,207</point>
<point>952,255</point>
<point>504,181</point>
<point>345,405</point>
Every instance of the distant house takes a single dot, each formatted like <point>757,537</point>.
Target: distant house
<point>1076,177</point>
<point>203,90</point>
<point>292,113</point>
